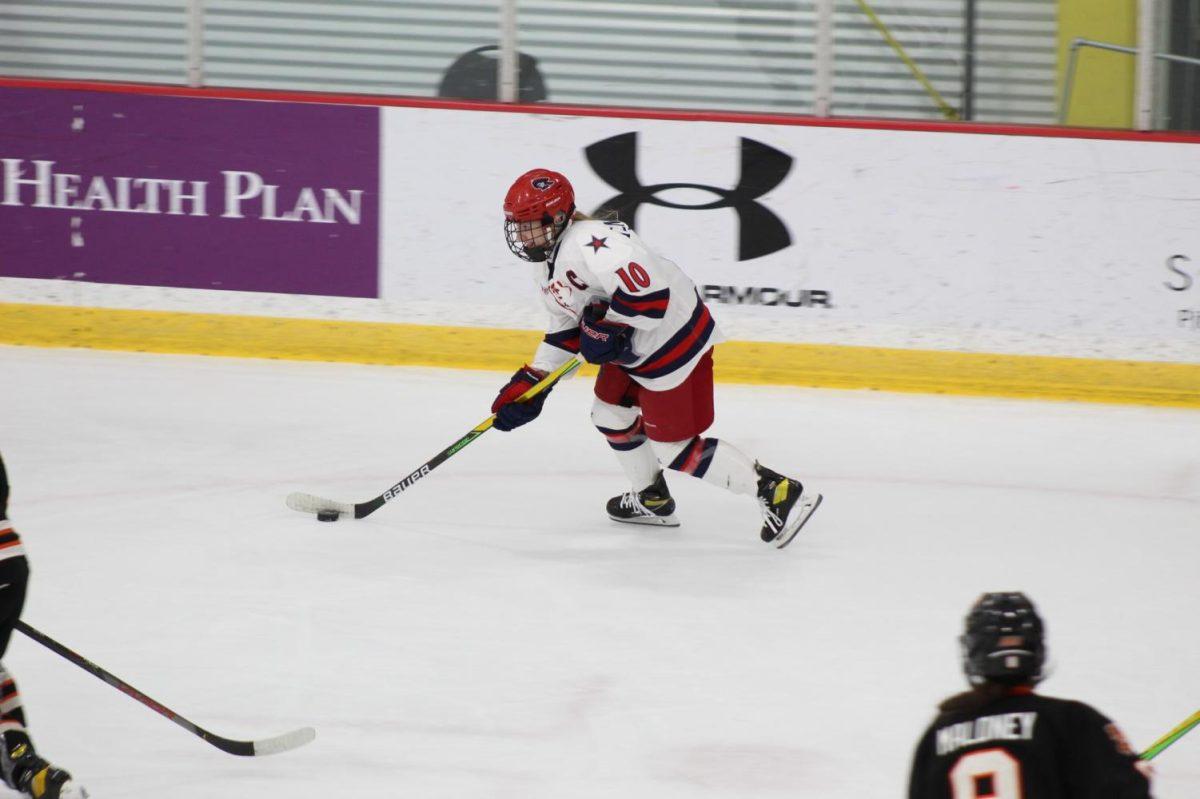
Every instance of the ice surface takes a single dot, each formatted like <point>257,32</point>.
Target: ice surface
<point>492,634</point>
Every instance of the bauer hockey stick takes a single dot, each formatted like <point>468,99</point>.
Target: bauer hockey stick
<point>266,746</point>
<point>328,510</point>
<point>1171,737</point>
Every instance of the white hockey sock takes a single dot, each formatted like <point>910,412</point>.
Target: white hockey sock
<point>713,461</point>
<point>12,715</point>
<point>640,465</point>
<point>622,427</point>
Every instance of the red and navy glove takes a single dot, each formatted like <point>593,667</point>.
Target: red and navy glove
<point>601,341</point>
<point>511,414</point>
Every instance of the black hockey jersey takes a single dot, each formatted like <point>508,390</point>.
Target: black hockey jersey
<point>1025,746</point>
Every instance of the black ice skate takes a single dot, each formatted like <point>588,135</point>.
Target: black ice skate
<point>651,505</point>
<point>36,778</point>
<point>785,506</point>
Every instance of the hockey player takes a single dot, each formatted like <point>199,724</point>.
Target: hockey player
<point>1002,740</point>
<point>21,767</point>
<point>639,316</point>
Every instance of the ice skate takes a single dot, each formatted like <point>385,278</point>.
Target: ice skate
<point>785,506</point>
<point>651,505</point>
<point>38,779</point>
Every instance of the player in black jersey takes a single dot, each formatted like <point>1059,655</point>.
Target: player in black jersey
<point>20,766</point>
<point>1000,740</point>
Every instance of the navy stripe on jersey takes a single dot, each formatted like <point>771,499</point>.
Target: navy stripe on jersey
<point>564,339</point>
<point>652,305</point>
<point>690,340</point>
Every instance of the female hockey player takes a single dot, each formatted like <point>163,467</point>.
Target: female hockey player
<point>640,317</point>
<point>1002,740</point>
<point>22,768</point>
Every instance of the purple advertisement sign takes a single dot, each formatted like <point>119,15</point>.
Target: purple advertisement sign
<point>182,192</point>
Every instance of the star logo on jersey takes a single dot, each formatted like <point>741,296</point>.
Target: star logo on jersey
<point>597,244</point>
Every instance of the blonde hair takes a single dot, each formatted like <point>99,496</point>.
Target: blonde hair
<point>609,215</point>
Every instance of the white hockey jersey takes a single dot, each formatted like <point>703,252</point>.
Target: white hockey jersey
<point>596,261</point>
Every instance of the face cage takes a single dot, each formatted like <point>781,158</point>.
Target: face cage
<point>530,240</point>
<point>975,669</point>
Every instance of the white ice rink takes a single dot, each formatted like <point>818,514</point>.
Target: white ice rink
<point>492,634</point>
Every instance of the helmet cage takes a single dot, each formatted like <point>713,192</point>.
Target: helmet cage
<point>537,207</point>
<point>532,239</point>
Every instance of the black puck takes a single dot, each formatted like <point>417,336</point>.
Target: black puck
<point>327,515</point>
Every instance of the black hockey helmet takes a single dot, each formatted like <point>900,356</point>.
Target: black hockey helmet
<point>1003,640</point>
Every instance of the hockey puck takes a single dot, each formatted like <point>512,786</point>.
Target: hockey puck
<point>327,515</point>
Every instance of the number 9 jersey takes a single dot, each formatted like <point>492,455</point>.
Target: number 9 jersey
<point>606,262</point>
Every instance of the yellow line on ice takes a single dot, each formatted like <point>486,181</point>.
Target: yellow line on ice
<point>816,365</point>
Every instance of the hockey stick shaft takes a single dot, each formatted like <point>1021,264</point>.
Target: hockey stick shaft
<point>543,385</point>
<point>1180,730</point>
<point>306,503</point>
<point>244,748</point>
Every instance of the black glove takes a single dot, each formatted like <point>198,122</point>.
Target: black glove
<point>601,341</point>
<point>511,414</point>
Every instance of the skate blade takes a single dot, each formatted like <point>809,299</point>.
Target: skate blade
<point>72,791</point>
<point>653,521</point>
<point>788,533</point>
<point>69,790</point>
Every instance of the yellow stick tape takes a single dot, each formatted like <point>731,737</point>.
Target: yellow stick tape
<point>816,365</point>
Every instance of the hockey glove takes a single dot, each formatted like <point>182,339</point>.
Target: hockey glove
<point>511,414</point>
<point>601,341</point>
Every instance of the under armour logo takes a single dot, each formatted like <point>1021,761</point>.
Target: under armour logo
<point>760,231</point>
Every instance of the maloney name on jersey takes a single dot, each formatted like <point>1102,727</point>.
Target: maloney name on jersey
<point>601,261</point>
<point>1003,727</point>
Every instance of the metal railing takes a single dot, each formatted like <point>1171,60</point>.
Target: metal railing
<point>1072,62</point>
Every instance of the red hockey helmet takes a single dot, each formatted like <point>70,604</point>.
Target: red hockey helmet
<point>539,204</point>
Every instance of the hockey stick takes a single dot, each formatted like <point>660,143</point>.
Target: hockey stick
<point>329,510</point>
<point>1171,737</point>
<point>267,746</point>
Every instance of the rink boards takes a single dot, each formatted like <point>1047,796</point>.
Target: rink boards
<point>1005,261</point>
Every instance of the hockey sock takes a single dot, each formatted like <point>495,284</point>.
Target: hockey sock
<point>713,461</point>
<point>12,729</point>
<point>12,714</point>
<point>622,427</point>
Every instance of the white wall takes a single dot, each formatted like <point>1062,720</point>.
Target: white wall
<point>933,240</point>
